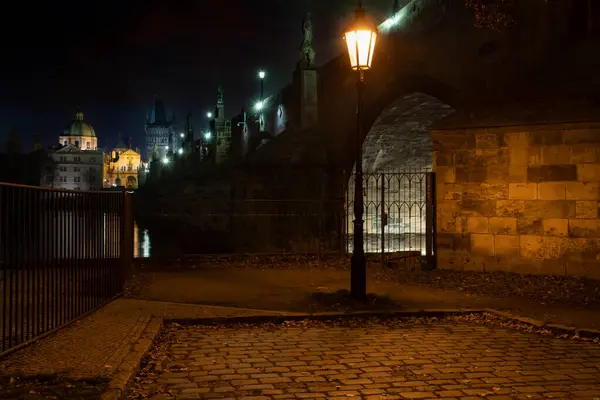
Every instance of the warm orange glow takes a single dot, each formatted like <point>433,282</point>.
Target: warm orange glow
<point>361,45</point>
<point>361,37</point>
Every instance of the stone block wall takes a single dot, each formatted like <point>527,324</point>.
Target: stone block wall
<point>519,199</point>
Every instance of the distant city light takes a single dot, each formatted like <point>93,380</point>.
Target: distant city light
<point>167,148</point>
<point>180,151</point>
<point>262,74</point>
<point>259,106</point>
<point>182,135</point>
<point>207,136</point>
<point>165,160</point>
<point>209,114</point>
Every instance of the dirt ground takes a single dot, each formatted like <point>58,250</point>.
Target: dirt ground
<point>306,289</point>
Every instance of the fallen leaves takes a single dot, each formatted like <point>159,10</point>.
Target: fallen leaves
<point>50,387</point>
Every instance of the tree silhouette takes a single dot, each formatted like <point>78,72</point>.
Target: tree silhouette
<point>13,144</point>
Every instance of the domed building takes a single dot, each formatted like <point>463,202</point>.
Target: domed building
<point>79,134</point>
<point>77,163</point>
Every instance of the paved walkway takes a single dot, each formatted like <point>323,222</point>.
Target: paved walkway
<point>298,289</point>
<point>374,362</point>
<point>97,344</point>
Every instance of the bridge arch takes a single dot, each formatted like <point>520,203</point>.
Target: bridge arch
<point>397,154</point>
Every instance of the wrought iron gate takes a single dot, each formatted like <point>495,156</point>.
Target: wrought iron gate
<point>399,214</point>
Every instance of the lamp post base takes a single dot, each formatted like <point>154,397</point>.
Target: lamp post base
<point>358,277</point>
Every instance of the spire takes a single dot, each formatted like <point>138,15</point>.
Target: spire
<point>79,115</point>
<point>220,95</point>
<point>158,115</point>
<point>37,142</point>
<point>170,149</point>
<point>120,144</point>
<point>129,142</point>
<point>189,127</point>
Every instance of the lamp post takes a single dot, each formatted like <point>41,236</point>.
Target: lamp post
<point>260,103</point>
<point>360,38</point>
<point>261,76</point>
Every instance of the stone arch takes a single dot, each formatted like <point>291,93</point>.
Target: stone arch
<point>397,154</point>
<point>399,137</point>
<point>384,86</point>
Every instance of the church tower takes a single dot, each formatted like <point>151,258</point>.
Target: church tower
<point>221,126</point>
<point>158,130</point>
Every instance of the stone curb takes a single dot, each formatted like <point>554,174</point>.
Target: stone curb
<point>322,316</point>
<point>556,328</point>
<point>130,366</point>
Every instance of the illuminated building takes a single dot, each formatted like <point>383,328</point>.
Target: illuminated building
<point>159,131</point>
<point>77,164</point>
<point>123,167</point>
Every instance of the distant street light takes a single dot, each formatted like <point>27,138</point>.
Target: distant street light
<point>209,115</point>
<point>180,151</point>
<point>165,160</point>
<point>207,136</point>
<point>261,76</point>
<point>360,39</point>
<point>259,105</point>
<point>181,135</point>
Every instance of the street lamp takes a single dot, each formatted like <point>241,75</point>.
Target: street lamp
<point>259,105</point>
<point>209,115</point>
<point>360,38</point>
<point>261,76</point>
<point>207,136</point>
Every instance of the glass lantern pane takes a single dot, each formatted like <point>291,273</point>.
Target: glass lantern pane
<point>351,43</point>
<point>372,49</point>
<point>363,47</point>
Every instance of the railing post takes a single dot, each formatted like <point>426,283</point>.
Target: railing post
<point>126,255</point>
<point>430,221</point>
<point>383,219</point>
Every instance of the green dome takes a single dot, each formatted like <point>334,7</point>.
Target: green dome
<point>79,127</point>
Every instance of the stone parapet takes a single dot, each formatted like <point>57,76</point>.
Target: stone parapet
<point>519,199</point>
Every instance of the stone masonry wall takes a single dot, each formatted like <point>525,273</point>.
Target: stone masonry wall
<point>519,199</point>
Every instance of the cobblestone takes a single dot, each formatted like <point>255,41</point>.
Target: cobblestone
<point>97,344</point>
<point>374,361</point>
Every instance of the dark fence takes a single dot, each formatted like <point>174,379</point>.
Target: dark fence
<point>62,255</point>
<point>399,213</point>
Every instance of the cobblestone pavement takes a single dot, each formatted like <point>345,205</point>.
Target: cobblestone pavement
<point>95,345</point>
<point>380,360</point>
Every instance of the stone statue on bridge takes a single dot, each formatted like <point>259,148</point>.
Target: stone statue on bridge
<point>308,54</point>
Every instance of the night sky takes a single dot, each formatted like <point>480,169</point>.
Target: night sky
<point>110,57</point>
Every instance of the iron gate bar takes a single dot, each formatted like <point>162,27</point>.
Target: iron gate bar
<point>62,255</point>
<point>399,213</point>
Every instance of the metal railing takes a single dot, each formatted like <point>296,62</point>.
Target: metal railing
<point>62,254</point>
<point>399,213</point>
